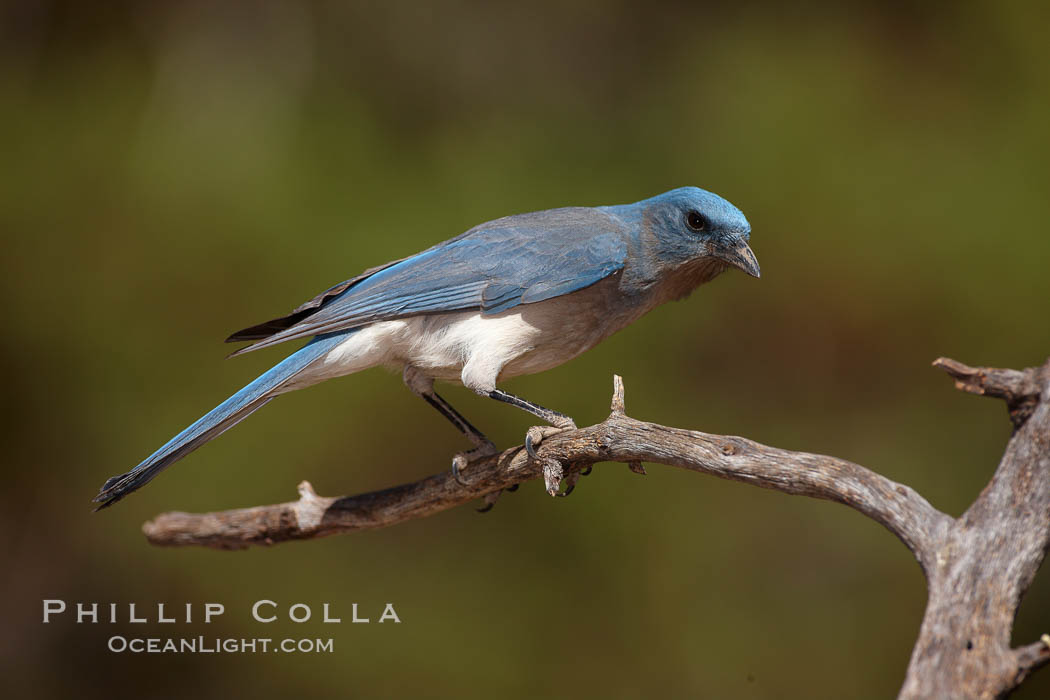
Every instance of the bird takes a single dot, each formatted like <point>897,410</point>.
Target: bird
<point>514,296</point>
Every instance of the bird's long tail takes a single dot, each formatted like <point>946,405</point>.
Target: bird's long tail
<point>220,419</point>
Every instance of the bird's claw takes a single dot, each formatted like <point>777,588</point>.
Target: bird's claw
<point>462,459</point>
<point>532,438</point>
<point>553,472</point>
<point>490,500</point>
<point>529,448</point>
<point>538,433</point>
<point>568,489</point>
<point>459,461</point>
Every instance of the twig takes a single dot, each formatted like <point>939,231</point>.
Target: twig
<point>1020,389</point>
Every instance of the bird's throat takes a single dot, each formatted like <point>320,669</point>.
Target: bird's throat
<point>679,283</point>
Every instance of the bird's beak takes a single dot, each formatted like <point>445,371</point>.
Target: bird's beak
<point>740,256</point>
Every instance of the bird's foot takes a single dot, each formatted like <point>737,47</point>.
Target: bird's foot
<point>538,433</point>
<point>553,471</point>
<point>490,500</point>
<point>462,459</point>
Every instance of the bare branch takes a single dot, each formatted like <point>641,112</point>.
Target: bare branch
<point>618,405</point>
<point>619,438</point>
<point>978,566</point>
<point>1031,658</point>
<point>990,554</point>
<point>316,516</point>
<point>1020,389</point>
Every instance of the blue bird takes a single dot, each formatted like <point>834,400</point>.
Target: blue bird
<point>514,296</point>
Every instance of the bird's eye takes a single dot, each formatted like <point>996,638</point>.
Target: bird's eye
<point>696,221</point>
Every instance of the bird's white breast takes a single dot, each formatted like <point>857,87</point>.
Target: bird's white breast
<point>441,345</point>
<point>478,349</point>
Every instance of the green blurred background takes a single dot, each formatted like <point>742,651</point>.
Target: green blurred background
<point>173,172</point>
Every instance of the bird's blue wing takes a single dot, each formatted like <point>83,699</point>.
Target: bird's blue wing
<point>268,328</point>
<point>492,268</point>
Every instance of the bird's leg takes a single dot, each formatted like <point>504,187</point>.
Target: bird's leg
<point>423,387</point>
<point>483,447</point>
<point>536,434</point>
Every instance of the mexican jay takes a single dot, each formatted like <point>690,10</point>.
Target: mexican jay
<point>514,296</point>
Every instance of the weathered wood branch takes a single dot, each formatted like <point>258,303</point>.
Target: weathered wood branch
<point>988,557</point>
<point>619,438</point>
<point>1020,389</point>
<point>978,566</point>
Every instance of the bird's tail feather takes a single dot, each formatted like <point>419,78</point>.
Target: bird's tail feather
<point>220,419</point>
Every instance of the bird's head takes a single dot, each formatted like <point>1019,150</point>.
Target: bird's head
<point>690,224</point>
